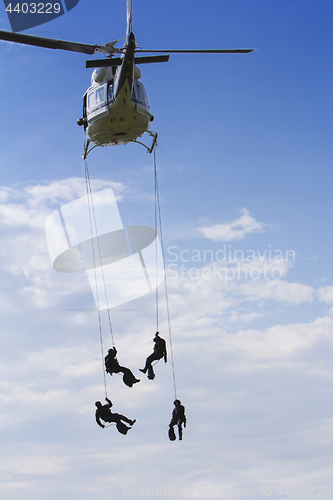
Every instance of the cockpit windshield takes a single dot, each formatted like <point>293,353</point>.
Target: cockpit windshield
<point>140,94</point>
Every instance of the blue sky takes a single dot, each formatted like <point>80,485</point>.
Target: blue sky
<point>245,164</point>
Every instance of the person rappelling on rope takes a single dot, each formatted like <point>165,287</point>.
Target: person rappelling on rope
<point>112,366</point>
<point>178,418</point>
<point>103,412</point>
<point>159,353</point>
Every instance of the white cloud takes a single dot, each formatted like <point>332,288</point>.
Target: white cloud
<point>214,288</point>
<point>325,294</point>
<point>30,206</point>
<point>234,230</point>
<point>28,276</point>
<point>32,465</point>
<point>67,190</point>
<point>238,317</point>
<point>279,341</point>
<point>5,193</point>
<point>18,215</point>
<point>279,290</point>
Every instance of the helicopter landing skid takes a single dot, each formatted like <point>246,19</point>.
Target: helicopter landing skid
<point>150,148</point>
<point>86,150</point>
<point>154,135</point>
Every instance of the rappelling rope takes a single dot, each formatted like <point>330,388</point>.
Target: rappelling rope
<point>158,211</point>
<point>89,196</point>
<point>156,233</point>
<point>99,250</point>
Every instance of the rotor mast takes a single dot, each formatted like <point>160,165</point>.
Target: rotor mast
<point>129,5</point>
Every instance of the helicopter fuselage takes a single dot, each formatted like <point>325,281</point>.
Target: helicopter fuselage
<point>116,119</point>
<point>116,106</point>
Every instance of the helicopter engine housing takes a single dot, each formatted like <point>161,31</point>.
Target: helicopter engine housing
<point>100,75</point>
<point>137,72</point>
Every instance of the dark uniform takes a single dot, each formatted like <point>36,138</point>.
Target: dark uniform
<point>178,418</point>
<point>112,366</point>
<point>103,412</point>
<point>159,353</point>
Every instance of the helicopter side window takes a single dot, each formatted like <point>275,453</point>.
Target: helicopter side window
<point>91,101</point>
<point>99,96</point>
<point>97,102</point>
<point>110,92</point>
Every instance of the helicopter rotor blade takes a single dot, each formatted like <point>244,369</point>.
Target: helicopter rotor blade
<point>199,51</point>
<point>117,61</point>
<point>151,59</point>
<point>49,43</point>
<point>104,63</point>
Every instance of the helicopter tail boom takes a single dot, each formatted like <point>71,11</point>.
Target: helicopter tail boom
<point>127,66</point>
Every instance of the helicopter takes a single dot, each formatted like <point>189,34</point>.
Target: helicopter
<point>115,107</point>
